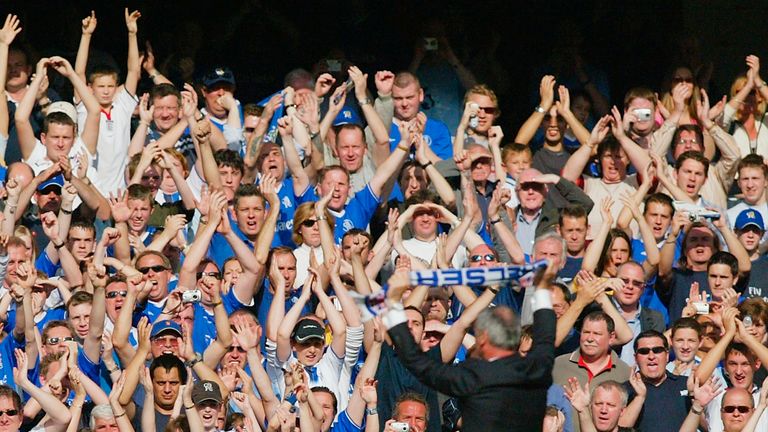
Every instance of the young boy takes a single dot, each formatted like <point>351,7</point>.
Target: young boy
<point>117,104</point>
<point>516,158</point>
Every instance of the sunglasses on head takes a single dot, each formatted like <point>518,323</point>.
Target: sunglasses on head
<point>56,340</point>
<point>9,413</point>
<point>309,223</point>
<point>485,257</point>
<point>215,275</point>
<point>648,350</point>
<point>155,268</point>
<point>740,408</point>
<point>679,80</point>
<point>115,294</point>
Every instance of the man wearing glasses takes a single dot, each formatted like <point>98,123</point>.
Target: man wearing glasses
<point>627,301</point>
<point>653,390</point>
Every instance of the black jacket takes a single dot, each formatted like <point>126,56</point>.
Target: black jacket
<point>508,394</point>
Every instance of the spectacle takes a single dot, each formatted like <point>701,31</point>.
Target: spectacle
<point>155,268</point>
<point>115,294</point>
<point>166,340</point>
<point>236,348</point>
<point>648,350</point>
<point>687,141</point>
<point>531,185</point>
<point>488,110</point>
<point>486,257</point>
<point>57,340</point>
<point>679,80</point>
<point>9,413</point>
<point>145,177</point>
<point>50,189</point>
<point>250,129</point>
<point>215,275</point>
<point>309,223</point>
<point>634,283</point>
<point>740,408</point>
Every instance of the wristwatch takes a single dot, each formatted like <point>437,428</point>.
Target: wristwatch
<point>539,109</point>
<point>372,411</point>
<point>365,101</point>
<point>191,363</point>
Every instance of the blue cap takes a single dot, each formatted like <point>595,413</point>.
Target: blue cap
<point>221,74</point>
<point>347,115</point>
<point>162,326</point>
<point>749,217</point>
<point>57,180</point>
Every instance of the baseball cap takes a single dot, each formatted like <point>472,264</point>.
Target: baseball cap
<point>163,326</point>
<point>206,390</point>
<point>749,217</point>
<point>307,329</point>
<point>347,116</point>
<point>479,153</point>
<point>220,74</point>
<point>64,107</point>
<point>57,180</point>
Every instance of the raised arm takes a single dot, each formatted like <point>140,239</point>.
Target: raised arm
<point>580,158</point>
<point>507,237</point>
<point>134,63</point>
<point>734,246</point>
<point>712,359</point>
<point>24,130</point>
<point>547,93</point>
<point>595,249</point>
<point>336,321</point>
<point>7,34</point>
<point>380,146</point>
<point>680,93</point>
<point>49,403</point>
<point>300,178</point>
<point>452,340</point>
<point>90,132</point>
<point>646,234</point>
<point>81,61</point>
<point>267,233</point>
<point>98,276</point>
<point>290,319</point>
<point>564,109</point>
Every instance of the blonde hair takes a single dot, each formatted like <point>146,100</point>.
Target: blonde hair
<point>24,233</point>
<point>302,213</point>
<point>739,84</point>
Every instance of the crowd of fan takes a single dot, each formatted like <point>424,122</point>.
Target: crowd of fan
<point>180,261</point>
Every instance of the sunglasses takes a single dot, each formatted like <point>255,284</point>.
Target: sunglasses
<point>250,129</point>
<point>155,268</point>
<point>480,258</point>
<point>9,413</point>
<point>679,80</point>
<point>647,350</point>
<point>309,223</point>
<point>531,185</point>
<point>56,340</point>
<point>50,189</point>
<point>234,348</point>
<point>634,283</point>
<point>150,177</point>
<point>740,408</point>
<point>488,110</point>
<point>115,294</point>
<point>215,275</point>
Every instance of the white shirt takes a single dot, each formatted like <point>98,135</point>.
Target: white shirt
<point>114,139</point>
<point>39,162</point>
<point>302,262</point>
<point>425,251</point>
<point>597,190</point>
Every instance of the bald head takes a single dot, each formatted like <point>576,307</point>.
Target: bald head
<point>21,172</point>
<point>529,175</point>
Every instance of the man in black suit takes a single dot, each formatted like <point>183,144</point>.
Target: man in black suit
<point>497,389</point>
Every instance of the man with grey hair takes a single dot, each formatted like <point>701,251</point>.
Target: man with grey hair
<point>103,419</point>
<point>497,390</point>
<point>602,411</point>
